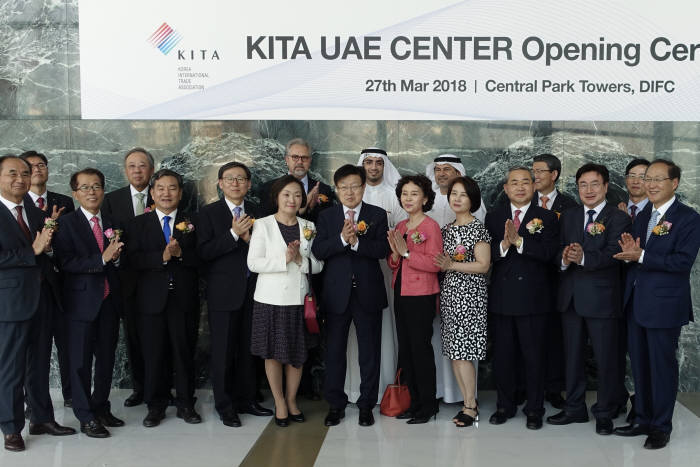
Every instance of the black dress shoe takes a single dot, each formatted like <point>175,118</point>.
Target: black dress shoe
<point>189,415</point>
<point>107,419</point>
<point>14,442</point>
<point>562,418</point>
<point>555,399</point>
<point>50,428</point>
<point>231,419</point>
<point>534,422</point>
<point>604,426</point>
<point>334,416</point>
<point>408,414</point>
<point>153,417</point>
<point>94,429</point>
<point>419,419</point>
<point>634,429</point>
<point>136,398</point>
<point>299,418</point>
<point>366,417</point>
<point>657,440</point>
<point>68,403</point>
<point>255,409</point>
<point>499,417</point>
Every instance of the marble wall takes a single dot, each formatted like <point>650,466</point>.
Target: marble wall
<point>40,109</point>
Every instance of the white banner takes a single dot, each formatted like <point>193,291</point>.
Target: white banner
<point>408,60</point>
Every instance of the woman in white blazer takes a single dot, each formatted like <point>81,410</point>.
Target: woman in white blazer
<point>280,252</point>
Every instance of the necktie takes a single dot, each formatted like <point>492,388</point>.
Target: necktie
<point>633,212</point>
<point>351,215</point>
<point>516,219</point>
<point>237,212</point>
<point>591,213</point>
<point>97,232</point>
<point>652,223</point>
<point>140,204</point>
<point>40,202</point>
<point>166,228</point>
<point>544,200</point>
<point>22,224</point>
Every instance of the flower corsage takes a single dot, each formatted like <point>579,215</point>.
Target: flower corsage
<point>663,228</point>
<point>361,228</point>
<point>418,237</point>
<point>113,233</point>
<point>535,226</point>
<point>460,253</point>
<point>308,232</point>
<point>595,228</point>
<point>51,224</point>
<point>185,226</point>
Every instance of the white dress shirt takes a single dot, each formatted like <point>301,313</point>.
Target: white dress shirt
<point>11,205</point>
<point>35,198</point>
<point>134,199</point>
<point>640,205</point>
<point>597,210</point>
<point>521,216</point>
<point>550,199</point>
<point>355,220</point>
<point>231,207</point>
<point>171,222</point>
<point>662,211</point>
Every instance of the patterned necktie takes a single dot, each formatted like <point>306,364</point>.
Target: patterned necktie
<point>40,203</point>
<point>652,223</point>
<point>633,210</point>
<point>351,215</point>
<point>237,212</point>
<point>22,224</point>
<point>544,200</point>
<point>591,213</point>
<point>166,229</point>
<point>97,232</point>
<point>140,203</point>
<point>516,219</point>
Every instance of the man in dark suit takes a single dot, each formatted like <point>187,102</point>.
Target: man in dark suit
<point>122,205</point>
<point>547,168</point>
<point>87,247</point>
<point>353,290</point>
<point>223,236</point>
<point>661,251</point>
<point>53,204</point>
<point>590,298</point>
<point>23,264</point>
<point>162,251</point>
<point>525,241</point>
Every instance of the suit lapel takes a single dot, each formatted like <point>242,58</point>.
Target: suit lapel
<point>666,217</point>
<point>10,219</point>
<point>85,230</point>
<point>527,217</point>
<point>154,224</point>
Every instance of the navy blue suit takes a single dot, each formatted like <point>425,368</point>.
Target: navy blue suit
<point>353,291</point>
<point>92,319</point>
<point>658,304</point>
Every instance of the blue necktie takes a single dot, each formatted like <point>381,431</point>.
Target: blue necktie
<point>237,212</point>
<point>166,229</point>
<point>591,213</point>
<point>652,223</point>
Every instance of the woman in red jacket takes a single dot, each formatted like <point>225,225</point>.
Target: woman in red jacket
<point>414,244</point>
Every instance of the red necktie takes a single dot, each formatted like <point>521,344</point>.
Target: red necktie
<point>22,224</point>
<point>99,237</point>
<point>40,202</point>
<point>351,215</point>
<point>516,219</point>
<point>544,200</point>
<point>633,208</point>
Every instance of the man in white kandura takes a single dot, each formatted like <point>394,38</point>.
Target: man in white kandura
<point>441,172</point>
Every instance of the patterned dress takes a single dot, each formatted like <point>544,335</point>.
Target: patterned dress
<point>463,297</point>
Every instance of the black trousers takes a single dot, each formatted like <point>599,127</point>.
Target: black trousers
<point>519,339</point>
<point>603,334</point>
<point>162,334</point>
<point>368,324</point>
<point>131,331</point>
<point>59,330</point>
<point>88,338</point>
<point>555,380</point>
<point>14,338</point>
<point>414,330</point>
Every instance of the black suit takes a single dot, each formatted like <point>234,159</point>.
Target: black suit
<point>167,295</point>
<point>230,288</point>
<point>353,291</point>
<point>311,215</point>
<point>119,205</point>
<point>519,303</point>
<point>92,319</point>
<point>590,298</point>
<point>56,325</point>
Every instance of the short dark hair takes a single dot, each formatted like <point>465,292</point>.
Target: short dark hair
<point>279,185</point>
<point>423,183</point>
<point>12,156</point>
<point>472,189</point>
<point>231,165</point>
<point>634,163</point>
<point>347,170</point>
<point>86,171</point>
<point>149,156</point>
<point>26,154</point>
<point>166,173</point>
<point>552,161</point>
<point>673,170</point>
<point>591,167</point>
<point>518,167</point>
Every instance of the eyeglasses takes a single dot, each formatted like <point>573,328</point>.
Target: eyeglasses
<point>40,166</point>
<point>634,177</point>
<point>238,180</point>
<point>345,189</point>
<point>656,180</point>
<point>297,158</point>
<point>88,188</point>
<point>541,171</point>
<point>595,186</point>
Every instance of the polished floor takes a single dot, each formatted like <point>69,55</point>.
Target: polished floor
<point>389,442</point>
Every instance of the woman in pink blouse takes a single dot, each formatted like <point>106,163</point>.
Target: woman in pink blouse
<point>414,244</point>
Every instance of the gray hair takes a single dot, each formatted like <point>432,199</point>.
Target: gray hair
<point>519,167</point>
<point>300,142</point>
<point>148,156</point>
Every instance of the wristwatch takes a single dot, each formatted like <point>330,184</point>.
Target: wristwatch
<point>519,242</point>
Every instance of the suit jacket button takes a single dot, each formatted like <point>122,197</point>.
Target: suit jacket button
<point>520,278</point>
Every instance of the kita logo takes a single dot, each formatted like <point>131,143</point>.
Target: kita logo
<point>165,38</point>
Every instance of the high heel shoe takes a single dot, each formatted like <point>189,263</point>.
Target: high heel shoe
<point>283,422</point>
<point>299,418</point>
<point>466,419</point>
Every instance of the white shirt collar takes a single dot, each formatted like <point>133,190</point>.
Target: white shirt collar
<point>134,191</point>
<point>550,196</point>
<point>640,205</point>
<point>523,210</point>
<point>90,215</point>
<point>597,209</point>
<point>356,209</point>
<point>664,207</point>
<point>232,205</point>
<point>11,205</point>
<point>35,197</point>
<point>161,215</point>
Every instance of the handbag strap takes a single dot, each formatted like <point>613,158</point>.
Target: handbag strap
<point>397,380</point>
<point>308,277</point>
